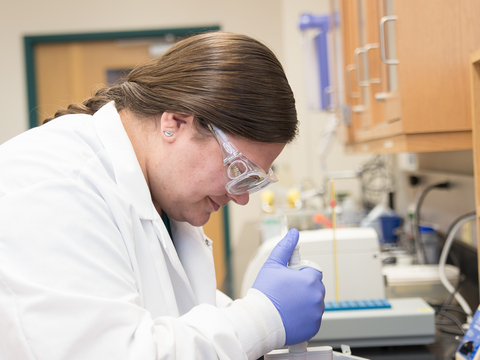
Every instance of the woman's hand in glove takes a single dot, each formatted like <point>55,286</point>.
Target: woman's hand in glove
<point>297,295</point>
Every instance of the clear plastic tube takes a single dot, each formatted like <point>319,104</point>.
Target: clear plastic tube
<point>443,261</point>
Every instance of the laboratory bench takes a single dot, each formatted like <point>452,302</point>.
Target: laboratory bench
<point>443,348</point>
<point>445,343</point>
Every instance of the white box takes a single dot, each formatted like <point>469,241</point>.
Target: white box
<point>423,281</point>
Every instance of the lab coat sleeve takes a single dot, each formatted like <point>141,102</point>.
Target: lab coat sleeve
<point>253,321</point>
<point>258,324</point>
<point>67,291</point>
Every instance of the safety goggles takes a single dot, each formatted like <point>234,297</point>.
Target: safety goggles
<point>241,174</point>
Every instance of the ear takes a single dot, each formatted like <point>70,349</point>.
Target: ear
<point>172,125</point>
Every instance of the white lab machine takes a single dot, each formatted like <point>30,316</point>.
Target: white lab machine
<point>406,321</point>
<point>301,352</point>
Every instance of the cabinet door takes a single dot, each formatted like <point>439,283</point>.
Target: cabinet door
<point>423,80</point>
<point>389,94</point>
<point>374,74</point>
<point>356,92</point>
<point>379,69</point>
<point>418,95</point>
<point>434,40</point>
<point>384,91</point>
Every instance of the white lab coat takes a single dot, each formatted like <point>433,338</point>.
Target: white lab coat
<point>87,268</point>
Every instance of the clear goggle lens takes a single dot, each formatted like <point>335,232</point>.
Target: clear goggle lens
<point>242,175</point>
<point>250,181</point>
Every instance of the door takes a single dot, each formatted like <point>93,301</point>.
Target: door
<point>71,72</point>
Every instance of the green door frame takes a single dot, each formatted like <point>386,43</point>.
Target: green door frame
<point>31,41</point>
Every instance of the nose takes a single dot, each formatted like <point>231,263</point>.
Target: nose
<point>241,199</point>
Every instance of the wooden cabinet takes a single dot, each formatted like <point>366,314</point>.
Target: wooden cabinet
<point>407,73</point>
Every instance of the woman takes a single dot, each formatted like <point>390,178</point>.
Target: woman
<point>88,268</point>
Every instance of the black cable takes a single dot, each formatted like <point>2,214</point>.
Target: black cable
<point>439,307</point>
<point>416,220</point>
<point>457,333</point>
<point>450,229</point>
<point>440,312</point>
<point>456,322</point>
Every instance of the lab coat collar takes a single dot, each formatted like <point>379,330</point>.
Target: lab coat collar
<point>195,252</point>
<point>129,175</point>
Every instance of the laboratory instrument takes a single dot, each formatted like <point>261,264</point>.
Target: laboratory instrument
<point>301,351</point>
<point>366,318</point>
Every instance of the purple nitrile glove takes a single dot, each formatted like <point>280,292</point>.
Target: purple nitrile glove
<point>297,295</point>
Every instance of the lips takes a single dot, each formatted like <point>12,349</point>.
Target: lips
<point>215,205</point>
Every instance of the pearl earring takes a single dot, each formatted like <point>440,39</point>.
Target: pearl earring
<point>168,133</point>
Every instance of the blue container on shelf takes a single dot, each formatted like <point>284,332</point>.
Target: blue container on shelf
<point>385,221</point>
<point>389,226</point>
<point>430,243</point>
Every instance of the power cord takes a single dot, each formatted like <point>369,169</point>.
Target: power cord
<point>419,247</point>
<point>441,313</point>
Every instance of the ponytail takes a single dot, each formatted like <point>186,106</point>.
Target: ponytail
<point>93,104</point>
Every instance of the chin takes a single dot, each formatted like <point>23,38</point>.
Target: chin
<point>199,220</point>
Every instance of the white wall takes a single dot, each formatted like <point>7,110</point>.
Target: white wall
<point>260,19</point>
<point>275,22</point>
<point>441,207</point>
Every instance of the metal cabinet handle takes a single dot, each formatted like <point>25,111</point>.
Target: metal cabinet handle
<point>368,47</point>
<point>383,21</point>
<point>357,108</point>
<point>348,84</point>
<point>356,55</point>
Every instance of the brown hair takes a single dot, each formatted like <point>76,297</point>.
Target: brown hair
<point>229,80</point>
